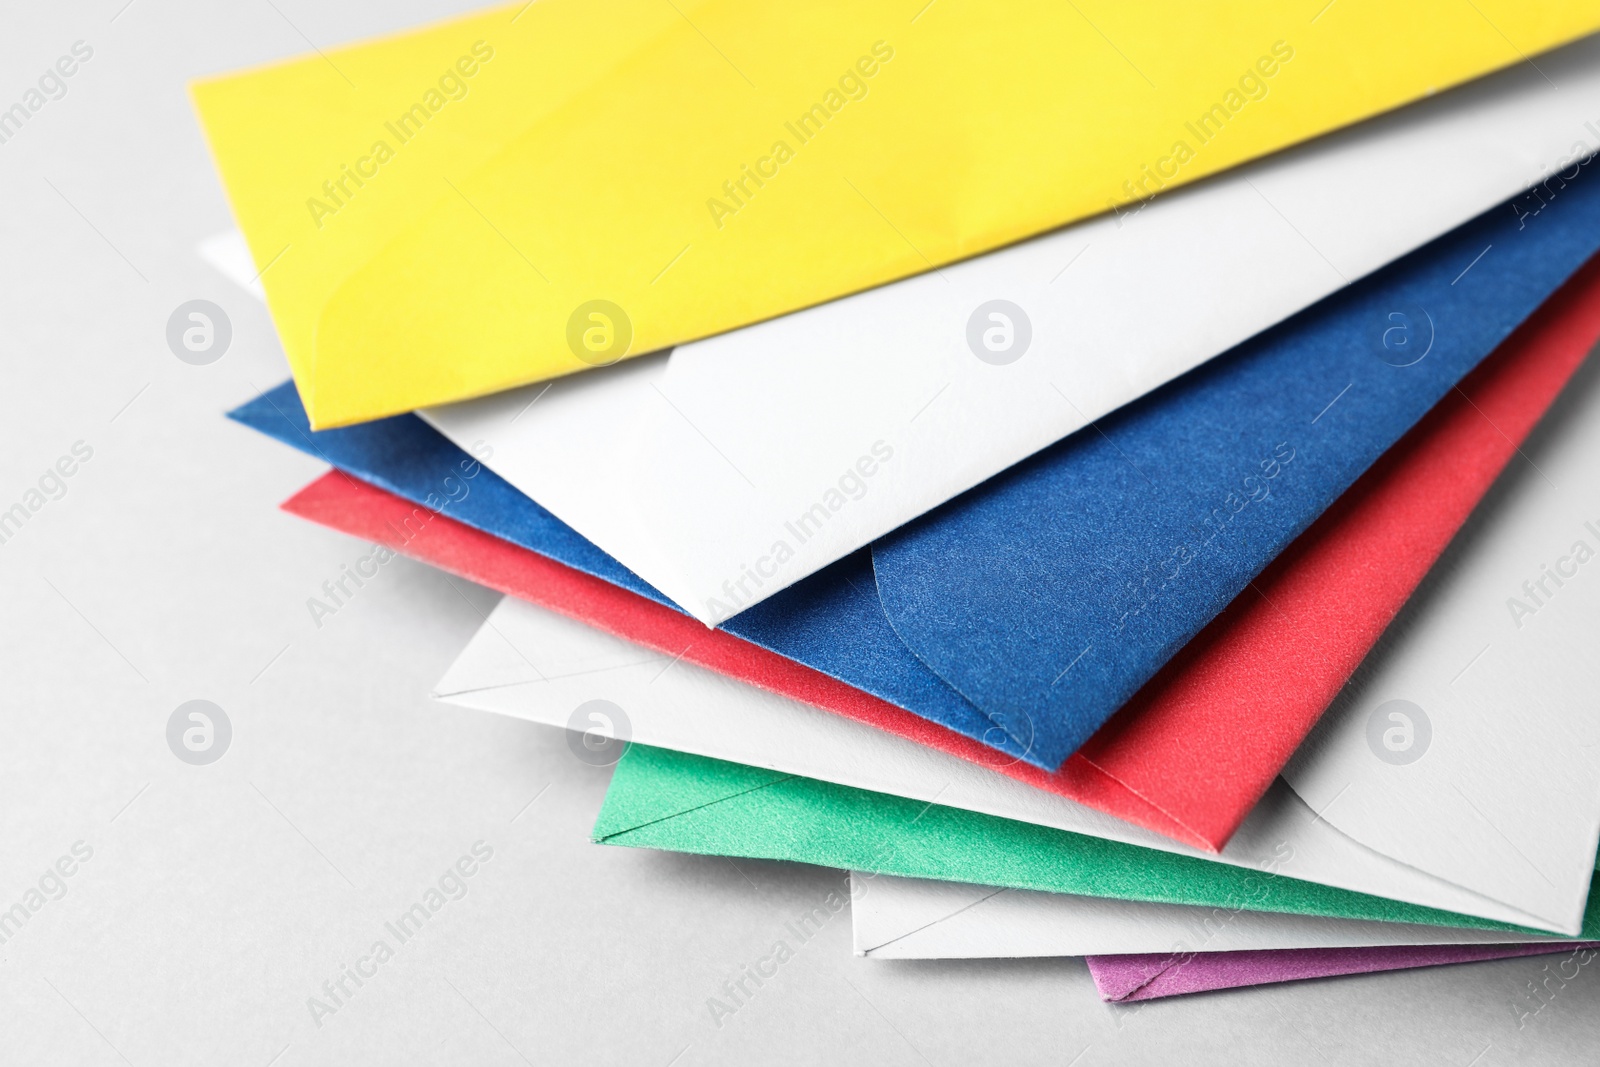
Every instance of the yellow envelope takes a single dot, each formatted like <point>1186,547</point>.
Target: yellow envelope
<point>543,188</point>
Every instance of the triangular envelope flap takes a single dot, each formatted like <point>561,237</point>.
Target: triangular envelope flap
<point>885,909</point>
<point>674,786</point>
<point>1284,834</point>
<point>1048,595</point>
<point>519,644</point>
<point>913,918</point>
<point>1466,746</point>
<point>488,662</point>
<point>568,433</point>
<point>833,622</point>
<point>534,664</point>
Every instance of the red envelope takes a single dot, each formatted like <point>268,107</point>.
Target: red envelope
<point>1194,750</point>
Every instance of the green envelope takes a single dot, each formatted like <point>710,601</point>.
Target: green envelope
<point>684,803</point>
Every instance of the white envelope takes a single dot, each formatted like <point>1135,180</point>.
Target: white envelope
<point>917,919</point>
<point>732,467</point>
<point>1469,742</point>
<point>533,664</point>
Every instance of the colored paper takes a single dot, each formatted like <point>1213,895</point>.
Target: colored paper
<point>921,919</point>
<point>534,665</point>
<point>425,236</point>
<point>669,800</point>
<point>1193,719</point>
<point>736,466</point>
<point>1130,978</point>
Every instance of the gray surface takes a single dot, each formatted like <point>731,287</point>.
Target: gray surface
<point>219,898</point>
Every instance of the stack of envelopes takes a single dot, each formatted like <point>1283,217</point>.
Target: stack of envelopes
<point>1117,479</point>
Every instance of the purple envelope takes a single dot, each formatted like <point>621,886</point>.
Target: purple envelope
<point>1162,974</point>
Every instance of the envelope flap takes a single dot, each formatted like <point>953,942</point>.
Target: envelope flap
<point>886,910</point>
<point>1153,975</point>
<point>1473,714</point>
<point>1123,976</point>
<point>488,662</point>
<point>909,918</point>
<point>521,645</point>
<point>653,809</point>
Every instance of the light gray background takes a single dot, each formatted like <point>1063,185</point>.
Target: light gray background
<point>220,898</point>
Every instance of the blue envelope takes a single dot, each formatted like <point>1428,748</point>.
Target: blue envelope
<point>1026,611</point>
